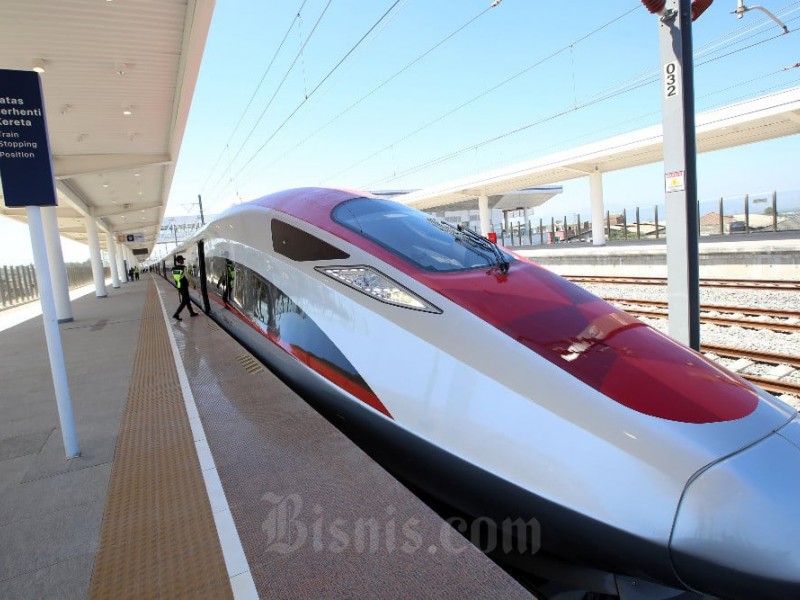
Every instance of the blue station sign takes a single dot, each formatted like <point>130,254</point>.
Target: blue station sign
<point>26,167</point>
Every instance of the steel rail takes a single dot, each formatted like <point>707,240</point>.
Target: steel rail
<point>773,385</point>
<point>755,355</point>
<point>744,284</point>
<point>746,310</point>
<point>782,327</point>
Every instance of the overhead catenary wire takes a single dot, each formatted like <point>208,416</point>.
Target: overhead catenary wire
<point>519,74</point>
<point>644,80</point>
<point>619,147</point>
<point>762,22</point>
<point>652,113</point>
<point>597,99</point>
<point>753,45</point>
<point>488,91</point>
<point>275,93</point>
<point>451,155</point>
<point>723,42</point>
<point>313,91</point>
<point>302,57</point>
<point>638,82</point>
<point>253,95</point>
<point>384,83</point>
<point>569,46</point>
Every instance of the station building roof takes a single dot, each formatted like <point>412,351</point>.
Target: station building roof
<point>118,82</point>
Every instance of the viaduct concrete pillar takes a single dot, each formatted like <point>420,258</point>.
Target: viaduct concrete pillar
<point>483,210</point>
<point>598,210</point>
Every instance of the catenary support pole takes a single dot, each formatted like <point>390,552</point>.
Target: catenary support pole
<point>52,333</point>
<point>680,172</point>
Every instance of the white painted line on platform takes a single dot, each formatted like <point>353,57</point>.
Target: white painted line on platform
<point>235,558</point>
<point>244,587</point>
<point>198,433</point>
<point>216,493</point>
<point>204,456</point>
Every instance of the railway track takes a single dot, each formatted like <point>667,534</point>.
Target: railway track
<point>783,326</point>
<point>769,358</point>
<point>776,386</point>
<point>747,284</point>
<point>773,385</point>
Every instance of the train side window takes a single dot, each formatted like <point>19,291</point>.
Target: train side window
<point>266,305</point>
<point>245,289</point>
<point>215,269</point>
<point>211,270</point>
<point>298,245</point>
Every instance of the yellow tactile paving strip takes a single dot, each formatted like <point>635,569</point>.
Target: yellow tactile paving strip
<point>158,538</point>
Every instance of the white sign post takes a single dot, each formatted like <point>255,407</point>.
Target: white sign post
<point>26,171</point>
<point>52,333</point>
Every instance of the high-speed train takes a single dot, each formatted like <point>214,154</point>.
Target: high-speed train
<point>507,392</point>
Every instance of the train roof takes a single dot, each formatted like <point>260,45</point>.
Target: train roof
<point>301,202</point>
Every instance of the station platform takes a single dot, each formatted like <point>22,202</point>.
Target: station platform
<point>754,256</point>
<point>201,475</point>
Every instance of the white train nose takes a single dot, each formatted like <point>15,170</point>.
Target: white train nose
<point>737,531</point>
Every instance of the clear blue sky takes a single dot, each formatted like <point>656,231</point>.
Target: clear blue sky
<point>351,128</point>
<point>386,139</point>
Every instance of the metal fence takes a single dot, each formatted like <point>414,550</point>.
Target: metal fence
<point>18,283</point>
<point>749,213</point>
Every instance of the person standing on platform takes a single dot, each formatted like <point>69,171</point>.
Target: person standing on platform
<point>182,283</point>
<point>130,274</point>
<point>136,273</point>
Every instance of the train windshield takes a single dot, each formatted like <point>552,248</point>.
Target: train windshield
<point>421,239</point>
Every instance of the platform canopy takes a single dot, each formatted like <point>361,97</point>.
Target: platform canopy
<point>512,200</point>
<point>118,82</point>
<point>768,117</point>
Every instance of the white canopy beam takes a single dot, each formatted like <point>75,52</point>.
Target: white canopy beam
<point>84,164</point>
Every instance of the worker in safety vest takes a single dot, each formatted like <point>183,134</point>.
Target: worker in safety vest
<point>182,283</point>
<point>227,280</point>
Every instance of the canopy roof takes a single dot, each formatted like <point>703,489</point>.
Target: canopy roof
<point>772,116</point>
<point>103,60</point>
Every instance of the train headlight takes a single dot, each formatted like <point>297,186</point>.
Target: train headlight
<point>374,283</point>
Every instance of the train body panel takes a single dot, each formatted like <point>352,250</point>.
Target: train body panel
<point>515,400</point>
<point>716,537</point>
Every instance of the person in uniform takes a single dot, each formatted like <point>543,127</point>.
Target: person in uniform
<point>182,283</point>
<point>227,280</point>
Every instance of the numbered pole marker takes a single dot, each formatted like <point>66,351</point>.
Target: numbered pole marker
<point>671,81</point>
